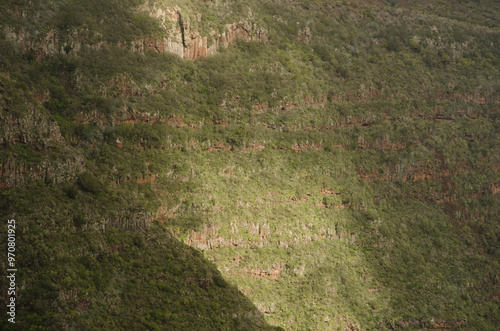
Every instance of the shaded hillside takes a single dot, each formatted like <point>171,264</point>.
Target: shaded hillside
<point>337,162</point>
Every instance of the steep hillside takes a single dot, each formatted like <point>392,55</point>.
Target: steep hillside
<point>335,162</point>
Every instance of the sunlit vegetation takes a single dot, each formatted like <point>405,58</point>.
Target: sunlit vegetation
<point>344,180</point>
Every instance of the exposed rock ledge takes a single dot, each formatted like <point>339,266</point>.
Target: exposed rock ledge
<point>178,38</point>
<point>50,159</point>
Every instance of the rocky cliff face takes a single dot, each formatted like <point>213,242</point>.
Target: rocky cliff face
<point>34,148</point>
<point>15,172</point>
<point>183,40</point>
<point>177,37</point>
<point>33,128</point>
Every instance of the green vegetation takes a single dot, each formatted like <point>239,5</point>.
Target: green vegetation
<point>341,174</point>
<point>140,278</point>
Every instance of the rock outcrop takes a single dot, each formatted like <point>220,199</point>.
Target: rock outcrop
<point>33,128</point>
<point>178,37</point>
<point>14,172</point>
<point>35,149</point>
<point>190,44</point>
